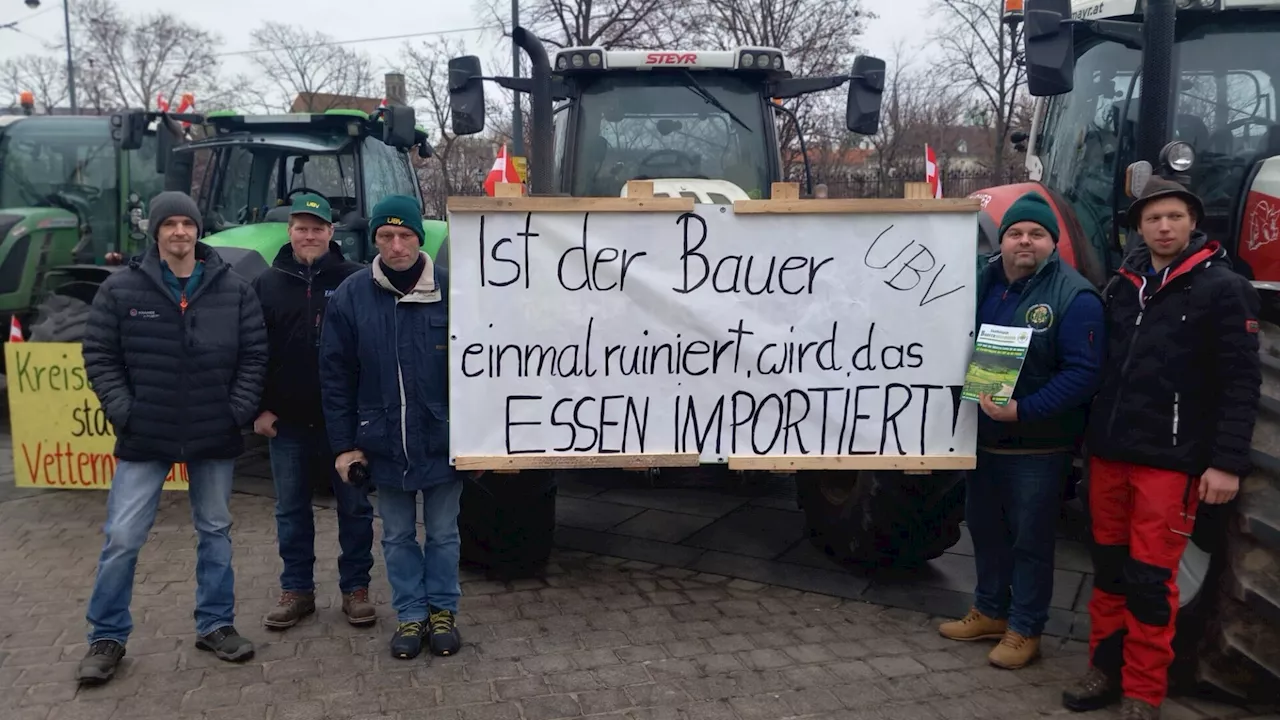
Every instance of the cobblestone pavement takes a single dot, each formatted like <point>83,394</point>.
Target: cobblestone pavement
<point>597,636</point>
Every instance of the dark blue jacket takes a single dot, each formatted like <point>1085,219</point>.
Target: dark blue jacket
<point>1064,361</point>
<point>384,376</point>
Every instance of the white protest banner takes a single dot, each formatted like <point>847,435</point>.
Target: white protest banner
<point>652,332</point>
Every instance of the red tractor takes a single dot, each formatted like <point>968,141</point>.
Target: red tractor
<point>1096,134</point>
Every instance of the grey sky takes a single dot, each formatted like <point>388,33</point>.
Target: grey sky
<point>899,20</point>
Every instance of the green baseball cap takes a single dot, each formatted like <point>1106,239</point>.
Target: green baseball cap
<point>311,204</point>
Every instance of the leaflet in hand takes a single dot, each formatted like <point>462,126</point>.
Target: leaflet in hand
<point>997,361</point>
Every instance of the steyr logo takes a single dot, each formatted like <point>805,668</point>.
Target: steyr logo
<point>671,58</point>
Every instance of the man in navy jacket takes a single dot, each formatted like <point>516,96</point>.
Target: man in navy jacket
<point>384,371</point>
<point>1025,446</point>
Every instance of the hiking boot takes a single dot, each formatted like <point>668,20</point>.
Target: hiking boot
<point>1014,651</point>
<point>357,608</point>
<point>444,638</point>
<point>974,626</point>
<point>99,664</point>
<point>1135,709</point>
<point>1094,691</point>
<point>227,644</point>
<point>292,607</point>
<point>407,642</point>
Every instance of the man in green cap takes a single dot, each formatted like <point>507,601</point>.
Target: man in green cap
<point>294,292</point>
<point>384,368</point>
<point>1025,446</point>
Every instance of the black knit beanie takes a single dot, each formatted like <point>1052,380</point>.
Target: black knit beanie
<point>172,203</point>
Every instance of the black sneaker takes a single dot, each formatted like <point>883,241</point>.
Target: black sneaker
<point>99,664</point>
<point>227,644</point>
<point>444,638</point>
<point>407,642</point>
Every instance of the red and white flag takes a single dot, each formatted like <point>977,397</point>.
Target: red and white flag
<point>15,330</point>
<point>504,170</point>
<point>931,174</point>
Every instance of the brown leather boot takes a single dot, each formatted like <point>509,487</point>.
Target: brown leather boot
<point>1135,709</point>
<point>358,609</point>
<point>1094,691</point>
<point>293,606</point>
<point>1014,651</point>
<point>974,626</point>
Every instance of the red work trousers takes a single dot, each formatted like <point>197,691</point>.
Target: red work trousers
<point>1142,519</point>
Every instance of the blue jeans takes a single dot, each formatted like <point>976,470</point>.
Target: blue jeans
<point>421,575</point>
<point>131,510</point>
<point>1011,507</point>
<point>298,456</point>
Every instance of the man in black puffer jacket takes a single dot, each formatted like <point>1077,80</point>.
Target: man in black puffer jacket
<point>1170,428</point>
<point>176,351</point>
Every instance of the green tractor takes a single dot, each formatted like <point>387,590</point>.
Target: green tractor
<point>700,124</point>
<point>246,170</point>
<point>71,209</point>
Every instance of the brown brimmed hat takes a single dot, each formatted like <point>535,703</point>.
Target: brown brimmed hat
<point>1158,187</point>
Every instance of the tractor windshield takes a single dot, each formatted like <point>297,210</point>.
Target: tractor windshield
<point>1227,73</point>
<point>254,179</point>
<point>639,126</point>
<point>66,162</point>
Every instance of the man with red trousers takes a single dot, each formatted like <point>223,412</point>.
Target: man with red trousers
<point>1169,429</point>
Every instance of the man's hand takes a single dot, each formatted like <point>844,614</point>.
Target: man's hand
<point>344,461</point>
<point>1217,487</point>
<point>999,413</point>
<point>265,425</point>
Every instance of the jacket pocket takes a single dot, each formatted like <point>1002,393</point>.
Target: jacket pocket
<point>437,430</point>
<point>371,431</point>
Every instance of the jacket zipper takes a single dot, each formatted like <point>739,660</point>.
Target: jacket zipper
<point>404,436</point>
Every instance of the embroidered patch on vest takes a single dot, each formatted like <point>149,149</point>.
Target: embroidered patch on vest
<point>1039,317</point>
<point>1251,326</point>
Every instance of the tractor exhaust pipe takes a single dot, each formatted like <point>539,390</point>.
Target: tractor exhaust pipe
<point>1157,79</point>
<point>540,160</point>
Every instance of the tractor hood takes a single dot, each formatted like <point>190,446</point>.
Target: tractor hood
<point>25,233</point>
<point>250,249</point>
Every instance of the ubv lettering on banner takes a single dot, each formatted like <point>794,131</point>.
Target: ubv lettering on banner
<point>616,331</point>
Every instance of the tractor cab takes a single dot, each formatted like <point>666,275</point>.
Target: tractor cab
<point>1217,130</point>
<point>698,123</point>
<point>247,170</point>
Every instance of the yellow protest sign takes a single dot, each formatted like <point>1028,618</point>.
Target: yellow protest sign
<point>61,436</point>
<point>522,167</point>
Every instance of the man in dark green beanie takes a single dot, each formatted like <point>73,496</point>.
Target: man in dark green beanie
<point>1025,446</point>
<point>391,321</point>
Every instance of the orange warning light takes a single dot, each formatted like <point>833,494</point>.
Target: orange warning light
<point>1012,7</point>
<point>26,98</point>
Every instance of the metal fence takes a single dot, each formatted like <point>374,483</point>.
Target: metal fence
<point>954,184</point>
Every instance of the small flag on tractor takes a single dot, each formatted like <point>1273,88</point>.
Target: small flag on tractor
<point>504,170</point>
<point>15,330</point>
<point>931,174</point>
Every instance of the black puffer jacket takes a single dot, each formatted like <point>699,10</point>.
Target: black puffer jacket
<point>294,298</point>
<point>1182,380</point>
<point>177,384</point>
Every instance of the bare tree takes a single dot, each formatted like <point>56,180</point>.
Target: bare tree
<point>619,24</point>
<point>460,162</point>
<point>309,67</point>
<point>980,51</point>
<point>44,76</point>
<point>919,108</point>
<point>130,60</point>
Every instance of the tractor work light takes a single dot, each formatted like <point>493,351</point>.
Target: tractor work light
<point>580,59</point>
<point>760,59</point>
<point>1178,156</point>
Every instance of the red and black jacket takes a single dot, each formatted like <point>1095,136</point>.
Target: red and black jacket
<point>1181,382</point>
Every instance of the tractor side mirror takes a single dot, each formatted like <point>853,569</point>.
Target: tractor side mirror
<point>424,146</point>
<point>466,95</point>
<point>397,126</point>
<point>128,129</point>
<point>1049,57</point>
<point>866,85</point>
<point>167,140</point>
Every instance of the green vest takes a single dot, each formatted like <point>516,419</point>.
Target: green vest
<point>1043,302</point>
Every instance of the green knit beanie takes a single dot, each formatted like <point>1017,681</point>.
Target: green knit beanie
<point>398,210</point>
<point>1031,207</point>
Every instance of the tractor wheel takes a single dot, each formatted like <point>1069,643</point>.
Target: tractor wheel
<point>60,318</point>
<point>507,522</point>
<point>882,518</point>
<point>1227,642</point>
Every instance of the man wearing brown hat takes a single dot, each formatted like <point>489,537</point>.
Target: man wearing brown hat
<point>1170,428</point>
